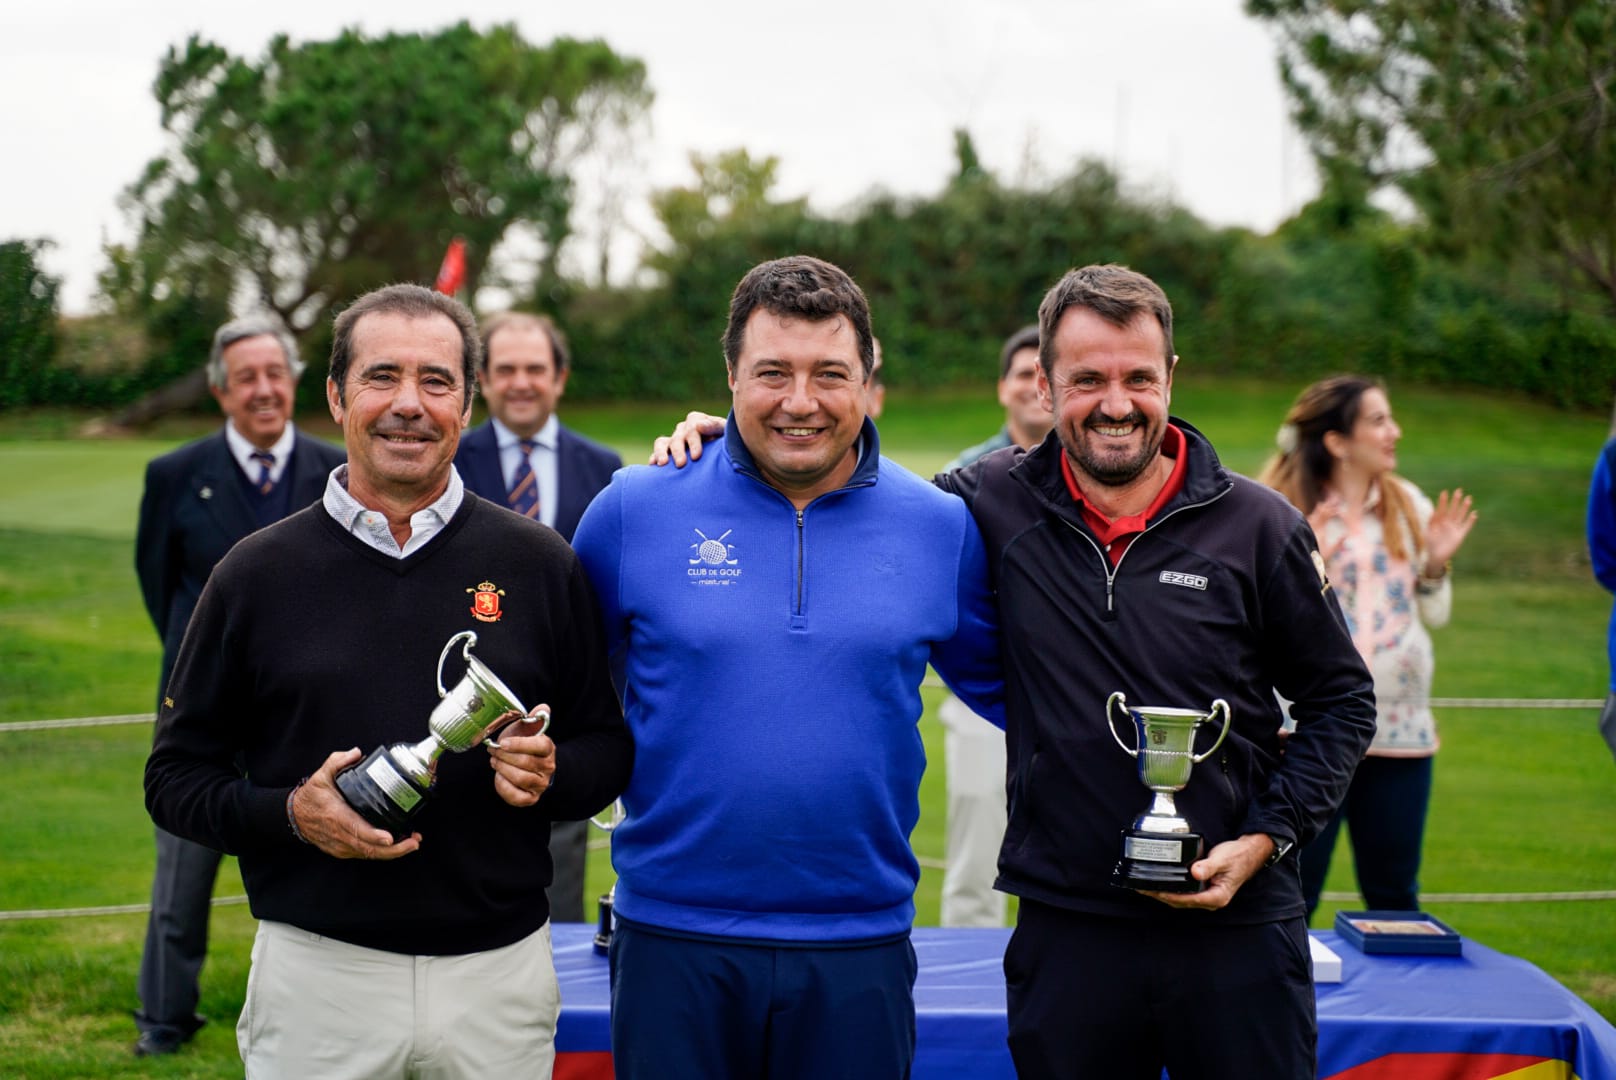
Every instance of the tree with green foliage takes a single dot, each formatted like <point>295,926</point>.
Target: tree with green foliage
<point>732,192</point>
<point>1494,117</point>
<point>947,276</point>
<point>27,322</point>
<point>323,169</point>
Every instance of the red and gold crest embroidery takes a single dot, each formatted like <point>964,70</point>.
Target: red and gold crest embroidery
<point>485,602</point>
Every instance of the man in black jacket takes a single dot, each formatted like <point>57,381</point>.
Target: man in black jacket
<point>324,636</point>
<point>1126,558</point>
<point>199,500</point>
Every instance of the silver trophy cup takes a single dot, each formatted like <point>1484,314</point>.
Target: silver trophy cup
<point>389,786</point>
<point>1158,850</point>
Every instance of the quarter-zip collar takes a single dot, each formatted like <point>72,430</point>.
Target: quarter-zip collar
<point>864,473</point>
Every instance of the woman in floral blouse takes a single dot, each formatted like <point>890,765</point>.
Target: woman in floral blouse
<point>1387,550</point>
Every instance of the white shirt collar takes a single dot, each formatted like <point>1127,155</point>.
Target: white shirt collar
<point>371,525</point>
<point>242,451</point>
<point>504,437</point>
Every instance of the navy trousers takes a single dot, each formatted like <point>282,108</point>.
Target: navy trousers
<point>699,1009</point>
<point>1122,999</point>
<point>1384,812</point>
<point>176,936</point>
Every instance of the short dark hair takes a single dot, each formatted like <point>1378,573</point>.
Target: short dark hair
<point>801,287</point>
<point>1114,293</point>
<point>508,319</point>
<point>414,302</point>
<point>1025,338</point>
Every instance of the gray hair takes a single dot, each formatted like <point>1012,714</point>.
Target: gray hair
<point>261,324</point>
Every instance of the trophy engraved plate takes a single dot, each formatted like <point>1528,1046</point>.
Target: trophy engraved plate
<point>391,784</point>
<point>1165,851</point>
<point>1160,847</point>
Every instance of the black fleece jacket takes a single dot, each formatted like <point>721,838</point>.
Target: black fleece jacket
<point>1222,596</point>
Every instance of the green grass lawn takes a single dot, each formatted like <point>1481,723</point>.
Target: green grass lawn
<point>1524,803</point>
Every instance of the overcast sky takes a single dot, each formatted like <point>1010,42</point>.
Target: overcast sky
<point>1181,95</point>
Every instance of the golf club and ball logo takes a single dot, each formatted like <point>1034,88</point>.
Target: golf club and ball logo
<point>713,561</point>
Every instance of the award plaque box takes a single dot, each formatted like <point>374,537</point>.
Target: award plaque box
<point>1397,932</point>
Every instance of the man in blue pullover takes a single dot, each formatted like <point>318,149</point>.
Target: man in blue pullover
<point>1602,553</point>
<point>771,611</point>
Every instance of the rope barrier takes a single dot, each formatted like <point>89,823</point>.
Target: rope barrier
<point>113,909</point>
<point>925,862</point>
<point>1436,703</point>
<point>78,722</point>
<point>931,681</point>
<point>1516,703</point>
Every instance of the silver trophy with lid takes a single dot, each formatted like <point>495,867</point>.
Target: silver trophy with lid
<point>390,786</point>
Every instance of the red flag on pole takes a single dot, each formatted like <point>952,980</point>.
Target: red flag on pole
<point>453,270</point>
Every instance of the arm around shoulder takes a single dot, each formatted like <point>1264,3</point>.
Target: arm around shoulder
<point>969,662</point>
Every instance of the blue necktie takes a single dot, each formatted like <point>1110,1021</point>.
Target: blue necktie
<point>524,496</point>
<point>266,462</point>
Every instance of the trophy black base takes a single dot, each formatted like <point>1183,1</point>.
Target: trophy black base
<point>1158,862</point>
<point>603,931</point>
<point>387,803</point>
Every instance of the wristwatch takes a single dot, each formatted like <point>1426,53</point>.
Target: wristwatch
<point>1281,849</point>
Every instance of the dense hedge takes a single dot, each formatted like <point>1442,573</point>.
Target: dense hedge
<point>1338,288</point>
<point>948,278</point>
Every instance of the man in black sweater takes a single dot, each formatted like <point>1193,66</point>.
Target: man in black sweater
<point>317,640</point>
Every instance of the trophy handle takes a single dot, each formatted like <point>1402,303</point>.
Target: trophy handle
<point>1110,705</point>
<point>613,817</point>
<point>492,741</point>
<point>470,638</point>
<point>1217,705</point>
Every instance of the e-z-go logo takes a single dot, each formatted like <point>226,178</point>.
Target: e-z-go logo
<point>714,562</point>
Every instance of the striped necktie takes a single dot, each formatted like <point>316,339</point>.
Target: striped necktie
<point>524,495</point>
<point>266,462</point>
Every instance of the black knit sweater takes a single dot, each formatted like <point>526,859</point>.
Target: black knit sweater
<point>307,641</point>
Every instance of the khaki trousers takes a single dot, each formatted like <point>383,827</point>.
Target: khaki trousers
<point>321,1008</point>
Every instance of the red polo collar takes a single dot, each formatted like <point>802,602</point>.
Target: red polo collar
<point>1117,535</point>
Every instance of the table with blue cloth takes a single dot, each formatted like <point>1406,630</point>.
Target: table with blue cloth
<point>1477,1016</point>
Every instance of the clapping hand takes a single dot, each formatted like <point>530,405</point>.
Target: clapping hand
<point>1450,523</point>
<point>1326,508</point>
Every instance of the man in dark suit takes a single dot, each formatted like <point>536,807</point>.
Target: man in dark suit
<point>524,458</point>
<point>199,500</point>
